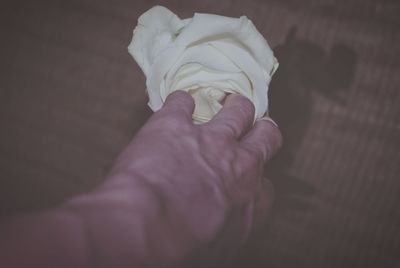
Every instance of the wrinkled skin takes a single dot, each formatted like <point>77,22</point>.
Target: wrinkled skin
<point>180,195</point>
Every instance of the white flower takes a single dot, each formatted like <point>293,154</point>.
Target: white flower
<point>208,56</point>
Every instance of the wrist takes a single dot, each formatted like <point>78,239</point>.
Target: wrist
<point>129,222</point>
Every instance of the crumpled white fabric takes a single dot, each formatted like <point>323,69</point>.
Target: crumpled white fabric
<point>208,56</point>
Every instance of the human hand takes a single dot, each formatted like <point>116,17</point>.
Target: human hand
<point>180,195</point>
<point>208,177</point>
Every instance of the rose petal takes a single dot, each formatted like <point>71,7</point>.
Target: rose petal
<point>156,29</point>
<point>207,55</point>
<point>208,27</point>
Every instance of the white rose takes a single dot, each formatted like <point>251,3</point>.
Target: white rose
<point>208,56</point>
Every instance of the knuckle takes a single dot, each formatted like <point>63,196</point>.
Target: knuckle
<point>168,120</point>
<point>253,155</point>
<point>249,160</point>
<point>276,134</point>
<point>215,137</point>
<point>270,138</point>
<point>226,130</point>
<point>230,127</point>
<point>181,97</point>
<point>244,106</point>
<point>248,106</point>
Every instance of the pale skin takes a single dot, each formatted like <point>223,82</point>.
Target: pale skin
<point>179,195</point>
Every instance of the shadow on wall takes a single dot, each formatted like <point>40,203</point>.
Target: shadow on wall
<point>305,69</point>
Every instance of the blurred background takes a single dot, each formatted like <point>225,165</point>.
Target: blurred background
<point>71,98</point>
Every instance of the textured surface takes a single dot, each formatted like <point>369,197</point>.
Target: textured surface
<point>71,97</point>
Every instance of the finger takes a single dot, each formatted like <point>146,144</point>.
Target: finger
<point>179,102</point>
<point>235,117</point>
<point>263,139</point>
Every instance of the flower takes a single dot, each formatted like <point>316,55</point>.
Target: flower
<point>209,56</point>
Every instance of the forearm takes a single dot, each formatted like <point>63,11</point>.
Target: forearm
<point>51,239</point>
<point>123,223</point>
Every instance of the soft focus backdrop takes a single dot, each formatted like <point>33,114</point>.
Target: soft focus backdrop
<point>71,98</point>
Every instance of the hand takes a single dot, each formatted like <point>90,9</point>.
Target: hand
<point>180,195</point>
<point>209,177</point>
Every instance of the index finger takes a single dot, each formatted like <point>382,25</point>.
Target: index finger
<point>178,108</point>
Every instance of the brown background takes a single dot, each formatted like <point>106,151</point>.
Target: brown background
<point>71,97</point>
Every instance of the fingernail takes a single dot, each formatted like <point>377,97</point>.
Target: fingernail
<point>269,119</point>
